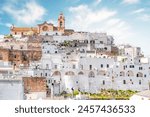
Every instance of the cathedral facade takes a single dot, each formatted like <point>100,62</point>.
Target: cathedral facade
<point>44,27</point>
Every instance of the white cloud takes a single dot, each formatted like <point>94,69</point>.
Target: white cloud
<point>138,11</point>
<point>97,2</point>
<point>145,17</point>
<point>83,14</point>
<point>85,18</point>
<point>54,22</point>
<point>141,15</point>
<point>131,1</point>
<point>5,24</point>
<point>29,14</point>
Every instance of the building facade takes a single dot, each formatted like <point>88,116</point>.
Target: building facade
<point>40,28</point>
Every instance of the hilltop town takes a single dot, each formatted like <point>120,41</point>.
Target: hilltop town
<point>47,61</point>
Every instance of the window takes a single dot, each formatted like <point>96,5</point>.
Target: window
<point>55,66</point>
<point>90,67</point>
<point>101,42</point>
<point>80,73</point>
<point>45,74</point>
<point>47,66</point>
<point>107,65</point>
<point>55,51</point>
<point>92,41</point>
<point>86,41</point>
<point>91,75</point>
<point>101,65</point>
<point>140,82</point>
<point>103,82</point>
<point>139,74</point>
<point>130,80</point>
<point>131,66</point>
<point>48,52</point>
<point>105,48</point>
<point>61,23</point>
<point>41,74</point>
<point>140,68</point>
<point>21,47</point>
<point>145,75</point>
<point>11,47</point>
<point>124,81</point>
<point>74,66</point>
<point>49,81</point>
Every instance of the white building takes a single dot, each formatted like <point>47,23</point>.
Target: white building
<point>82,68</point>
<point>86,63</point>
<point>11,89</point>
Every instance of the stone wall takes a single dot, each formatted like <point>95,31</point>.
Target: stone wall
<point>34,84</point>
<point>18,57</point>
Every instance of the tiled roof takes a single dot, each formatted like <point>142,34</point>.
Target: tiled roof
<point>24,29</point>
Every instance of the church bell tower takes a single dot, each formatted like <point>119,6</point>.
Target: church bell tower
<point>61,23</point>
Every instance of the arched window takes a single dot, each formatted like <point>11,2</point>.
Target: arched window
<point>56,73</point>
<point>61,24</point>
<point>80,73</point>
<point>139,74</point>
<point>91,74</point>
<point>70,73</point>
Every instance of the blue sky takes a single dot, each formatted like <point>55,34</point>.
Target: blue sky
<point>127,20</point>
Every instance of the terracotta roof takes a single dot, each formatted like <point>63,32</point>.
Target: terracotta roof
<point>24,29</point>
<point>69,30</point>
<point>45,23</point>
